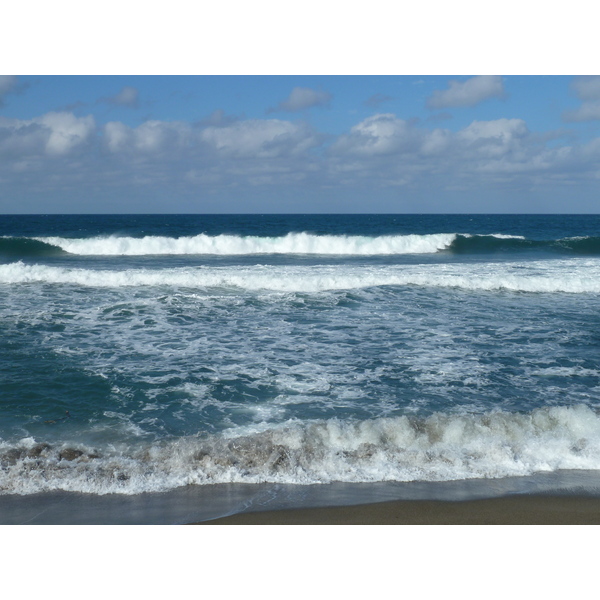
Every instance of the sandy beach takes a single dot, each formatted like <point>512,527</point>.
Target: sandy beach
<point>510,510</point>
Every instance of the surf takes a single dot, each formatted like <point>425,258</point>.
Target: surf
<point>440,447</point>
<point>292,243</point>
<point>533,277</point>
<point>299,244</point>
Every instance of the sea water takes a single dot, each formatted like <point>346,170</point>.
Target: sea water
<point>148,353</point>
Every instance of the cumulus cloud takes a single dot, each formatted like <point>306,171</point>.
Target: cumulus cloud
<point>54,134</point>
<point>260,139</point>
<point>301,98</point>
<point>586,89</point>
<point>253,138</point>
<point>151,137</point>
<point>128,96</point>
<point>494,138</point>
<point>467,93</point>
<point>392,152</point>
<point>382,151</point>
<point>376,135</point>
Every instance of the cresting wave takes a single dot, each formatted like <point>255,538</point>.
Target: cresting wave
<point>547,276</point>
<point>292,243</point>
<point>296,243</point>
<point>440,447</point>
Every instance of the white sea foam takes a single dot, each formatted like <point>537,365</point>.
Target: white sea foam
<point>292,243</point>
<point>438,448</point>
<point>546,276</point>
<point>503,236</point>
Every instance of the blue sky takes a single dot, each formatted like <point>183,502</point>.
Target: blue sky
<point>408,136</point>
<point>539,100</point>
<point>299,143</point>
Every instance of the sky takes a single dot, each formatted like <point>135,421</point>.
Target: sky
<point>234,138</point>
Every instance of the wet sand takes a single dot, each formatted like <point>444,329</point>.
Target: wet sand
<point>509,510</point>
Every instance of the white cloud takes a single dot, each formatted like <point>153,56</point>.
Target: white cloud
<point>385,134</point>
<point>117,136</point>
<point>587,89</point>
<point>379,134</point>
<point>494,138</point>
<point>588,111</point>
<point>259,138</point>
<point>301,98</point>
<point>467,93</point>
<point>54,134</point>
<point>66,131</point>
<point>391,151</point>
<point>151,137</point>
<point>128,96</point>
<point>59,149</point>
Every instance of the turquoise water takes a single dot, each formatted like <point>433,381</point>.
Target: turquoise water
<point>145,353</point>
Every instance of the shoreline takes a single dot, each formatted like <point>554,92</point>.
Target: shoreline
<point>569,497</point>
<point>529,509</point>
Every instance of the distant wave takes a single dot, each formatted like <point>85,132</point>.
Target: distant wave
<point>440,447</point>
<point>546,276</point>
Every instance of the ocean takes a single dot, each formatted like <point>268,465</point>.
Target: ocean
<point>236,357</point>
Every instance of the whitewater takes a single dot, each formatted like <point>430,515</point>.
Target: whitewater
<point>292,243</point>
<point>556,276</point>
<point>148,353</point>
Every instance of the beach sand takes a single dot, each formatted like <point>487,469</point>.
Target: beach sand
<point>509,510</point>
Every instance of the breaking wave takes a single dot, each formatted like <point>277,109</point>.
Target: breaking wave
<point>440,447</point>
<point>549,276</point>
<point>292,243</point>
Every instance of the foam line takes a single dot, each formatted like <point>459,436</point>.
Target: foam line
<point>548,276</point>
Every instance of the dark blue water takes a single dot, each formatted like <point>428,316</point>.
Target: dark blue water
<point>143,353</point>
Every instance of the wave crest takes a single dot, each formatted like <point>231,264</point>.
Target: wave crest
<point>548,276</point>
<point>292,243</point>
<point>441,447</point>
